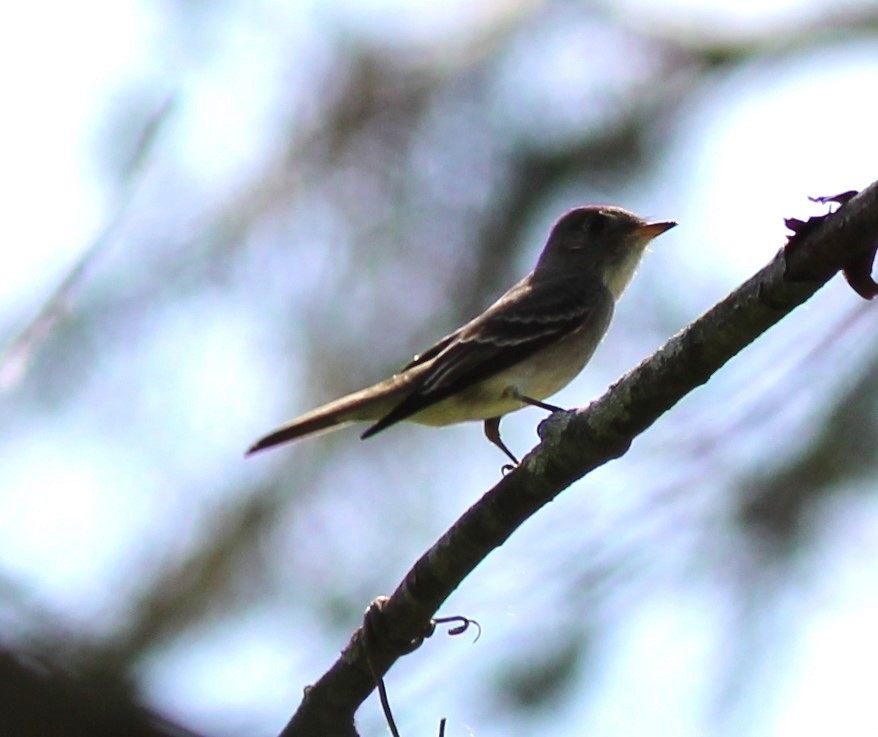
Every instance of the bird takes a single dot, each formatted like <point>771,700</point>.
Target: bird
<point>521,350</point>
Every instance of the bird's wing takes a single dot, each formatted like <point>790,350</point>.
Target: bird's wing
<point>431,352</point>
<point>519,324</point>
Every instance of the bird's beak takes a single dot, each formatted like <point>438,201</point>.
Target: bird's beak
<point>653,230</point>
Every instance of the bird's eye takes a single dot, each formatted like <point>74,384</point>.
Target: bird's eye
<point>596,223</point>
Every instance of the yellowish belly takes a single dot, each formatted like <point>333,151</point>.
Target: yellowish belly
<point>539,377</point>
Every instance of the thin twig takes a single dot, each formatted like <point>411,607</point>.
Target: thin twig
<point>16,356</point>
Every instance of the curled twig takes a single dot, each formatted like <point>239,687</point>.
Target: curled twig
<point>373,635</point>
<point>462,626</point>
<point>370,647</point>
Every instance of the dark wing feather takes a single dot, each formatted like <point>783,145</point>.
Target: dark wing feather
<point>433,350</point>
<point>521,323</point>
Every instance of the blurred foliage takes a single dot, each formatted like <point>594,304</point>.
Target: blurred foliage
<point>37,699</point>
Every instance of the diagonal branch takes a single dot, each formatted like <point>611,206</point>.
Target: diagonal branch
<point>574,443</point>
<point>16,356</point>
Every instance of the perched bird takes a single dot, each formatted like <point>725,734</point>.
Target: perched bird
<point>525,347</point>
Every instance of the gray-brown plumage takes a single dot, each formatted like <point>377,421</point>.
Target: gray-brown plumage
<point>525,347</point>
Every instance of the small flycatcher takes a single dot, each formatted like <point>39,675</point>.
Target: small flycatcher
<point>525,347</point>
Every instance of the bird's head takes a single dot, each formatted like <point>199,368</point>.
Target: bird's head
<point>603,240</point>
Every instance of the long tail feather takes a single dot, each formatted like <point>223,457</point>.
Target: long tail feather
<point>367,404</point>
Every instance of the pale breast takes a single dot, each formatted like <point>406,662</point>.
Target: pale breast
<point>539,376</point>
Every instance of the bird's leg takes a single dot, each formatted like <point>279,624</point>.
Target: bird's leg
<point>535,402</point>
<point>492,432</point>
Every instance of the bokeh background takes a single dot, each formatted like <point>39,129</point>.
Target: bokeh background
<point>219,214</point>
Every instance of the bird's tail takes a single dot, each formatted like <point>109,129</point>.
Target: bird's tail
<point>367,404</point>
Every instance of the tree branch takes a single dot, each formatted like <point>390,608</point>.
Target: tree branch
<point>574,443</point>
